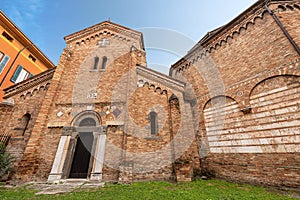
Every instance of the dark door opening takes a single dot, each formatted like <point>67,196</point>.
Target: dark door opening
<point>82,156</point>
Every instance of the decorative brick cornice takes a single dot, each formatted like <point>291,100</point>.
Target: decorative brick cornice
<point>103,28</point>
<point>29,83</point>
<point>160,78</point>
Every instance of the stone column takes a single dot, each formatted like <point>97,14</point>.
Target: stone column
<point>96,174</point>
<point>60,157</point>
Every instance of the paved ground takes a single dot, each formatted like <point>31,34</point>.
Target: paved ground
<point>63,187</point>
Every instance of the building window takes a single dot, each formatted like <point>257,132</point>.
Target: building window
<point>8,37</point>
<point>32,58</point>
<point>96,62</point>
<point>153,123</point>
<point>24,123</point>
<point>19,75</point>
<point>104,61</point>
<point>87,122</point>
<point>3,61</point>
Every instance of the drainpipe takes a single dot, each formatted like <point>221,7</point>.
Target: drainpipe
<point>286,33</point>
<point>12,64</point>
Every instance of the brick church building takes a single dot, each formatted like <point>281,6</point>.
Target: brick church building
<point>229,108</point>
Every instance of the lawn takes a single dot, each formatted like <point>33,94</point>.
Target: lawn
<point>207,190</point>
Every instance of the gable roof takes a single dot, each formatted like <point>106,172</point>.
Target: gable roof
<point>106,25</point>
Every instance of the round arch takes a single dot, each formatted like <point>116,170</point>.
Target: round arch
<point>269,78</point>
<point>216,97</point>
<point>86,117</point>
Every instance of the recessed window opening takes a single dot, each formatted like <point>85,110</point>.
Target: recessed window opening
<point>24,122</point>
<point>104,62</point>
<point>153,123</point>
<point>8,37</point>
<point>96,61</point>
<point>32,58</point>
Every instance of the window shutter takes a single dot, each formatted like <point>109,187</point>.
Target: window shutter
<point>3,62</point>
<point>16,74</point>
<point>22,76</point>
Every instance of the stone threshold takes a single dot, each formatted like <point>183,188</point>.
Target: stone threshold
<point>62,186</point>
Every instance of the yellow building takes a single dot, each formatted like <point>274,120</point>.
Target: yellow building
<point>20,59</point>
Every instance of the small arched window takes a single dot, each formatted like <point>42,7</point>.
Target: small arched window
<point>24,123</point>
<point>87,122</point>
<point>153,123</point>
<point>96,61</point>
<point>104,61</point>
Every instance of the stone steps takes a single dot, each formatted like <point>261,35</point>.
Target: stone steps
<point>64,186</point>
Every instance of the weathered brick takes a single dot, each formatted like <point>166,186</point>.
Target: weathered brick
<point>233,110</point>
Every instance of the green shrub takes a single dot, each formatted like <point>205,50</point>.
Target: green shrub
<point>6,161</point>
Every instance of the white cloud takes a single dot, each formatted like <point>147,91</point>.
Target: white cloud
<point>24,13</point>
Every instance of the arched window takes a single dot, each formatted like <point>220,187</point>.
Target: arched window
<point>96,61</point>
<point>104,61</point>
<point>87,122</point>
<point>153,123</point>
<point>24,123</point>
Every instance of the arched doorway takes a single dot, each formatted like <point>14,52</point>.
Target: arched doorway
<point>82,155</point>
<point>81,149</point>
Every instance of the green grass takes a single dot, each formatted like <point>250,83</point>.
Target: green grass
<point>207,190</point>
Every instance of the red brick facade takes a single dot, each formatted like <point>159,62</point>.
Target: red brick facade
<point>245,78</point>
<point>230,107</point>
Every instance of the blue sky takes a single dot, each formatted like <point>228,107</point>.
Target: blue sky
<point>47,22</point>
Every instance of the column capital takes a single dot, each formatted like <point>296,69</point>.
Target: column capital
<point>68,130</point>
